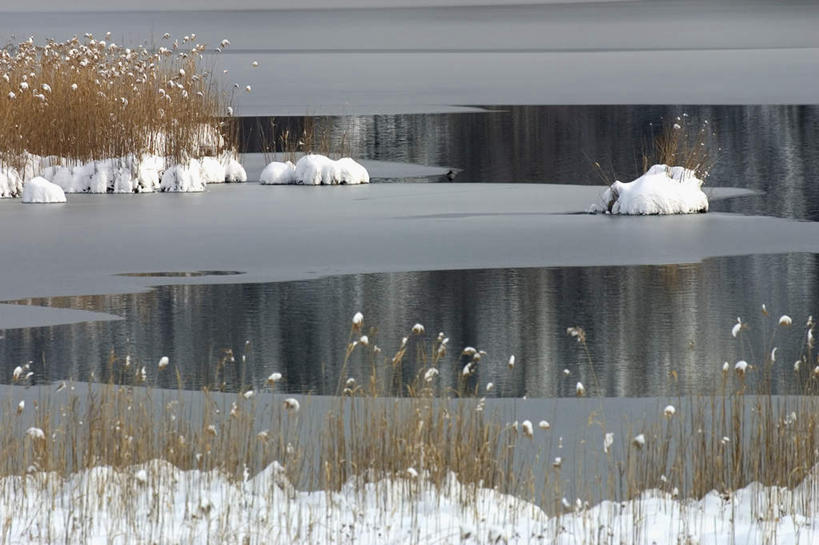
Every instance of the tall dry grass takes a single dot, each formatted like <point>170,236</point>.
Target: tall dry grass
<point>675,142</point>
<point>86,99</point>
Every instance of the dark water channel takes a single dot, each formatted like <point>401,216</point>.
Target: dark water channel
<point>770,148</point>
<point>651,330</point>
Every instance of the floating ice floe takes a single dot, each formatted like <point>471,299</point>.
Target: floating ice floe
<point>661,190</point>
<point>40,190</point>
<point>316,169</point>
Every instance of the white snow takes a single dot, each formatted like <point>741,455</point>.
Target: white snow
<point>276,173</point>
<point>40,190</point>
<point>314,169</point>
<point>213,171</point>
<point>129,174</point>
<point>661,190</point>
<point>158,503</point>
<point>183,177</point>
<point>11,184</point>
<point>234,171</point>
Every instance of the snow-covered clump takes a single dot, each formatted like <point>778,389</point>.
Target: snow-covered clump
<point>661,190</point>
<point>40,190</point>
<point>11,184</point>
<point>213,171</point>
<point>317,169</point>
<point>352,172</point>
<point>129,174</point>
<point>276,173</point>
<point>234,171</point>
<point>184,177</point>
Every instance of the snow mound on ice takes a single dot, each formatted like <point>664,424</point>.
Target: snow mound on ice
<point>40,190</point>
<point>317,169</point>
<point>276,173</point>
<point>184,177</point>
<point>661,190</point>
<point>234,171</point>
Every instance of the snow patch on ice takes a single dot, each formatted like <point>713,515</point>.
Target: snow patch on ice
<point>661,190</point>
<point>40,190</point>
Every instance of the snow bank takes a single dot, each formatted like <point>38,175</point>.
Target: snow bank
<point>129,174</point>
<point>317,169</point>
<point>158,503</point>
<point>661,190</point>
<point>276,173</point>
<point>40,190</point>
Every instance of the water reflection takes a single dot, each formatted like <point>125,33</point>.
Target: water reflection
<point>767,148</point>
<point>645,325</point>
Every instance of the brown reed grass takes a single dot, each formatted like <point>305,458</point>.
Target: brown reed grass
<point>87,99</point>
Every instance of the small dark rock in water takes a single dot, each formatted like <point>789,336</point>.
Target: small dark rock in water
<point>451,175</point>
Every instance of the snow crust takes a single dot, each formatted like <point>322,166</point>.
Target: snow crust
<point>129,174</point>
<point>661,190</point>
<point>40,190</point>
<point>158,503</point>
<point>315,169</point>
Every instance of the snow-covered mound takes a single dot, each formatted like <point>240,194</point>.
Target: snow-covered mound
<point>276,173</point>
<point>184,177</point>
<point>40,190</point>
<point>316,169</point>
<point>661,190</point>
<point>11,184</point>
<point>234,172</point>
<point>158,503</point>
<point>129,174</point>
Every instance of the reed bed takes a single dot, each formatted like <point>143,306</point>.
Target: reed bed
<point>397,442</point>
<point>88,99</point>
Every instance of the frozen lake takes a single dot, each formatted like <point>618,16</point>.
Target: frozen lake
<point>428,59</point>
<point>504,258</point>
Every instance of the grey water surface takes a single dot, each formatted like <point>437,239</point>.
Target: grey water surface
<point>651,330</point>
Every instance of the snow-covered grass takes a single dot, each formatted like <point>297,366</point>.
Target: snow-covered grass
<point>90,115</point>
<point>128,463</point>
<point>661,190</point>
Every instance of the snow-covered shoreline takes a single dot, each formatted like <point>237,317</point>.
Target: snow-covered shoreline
<point>147,173</point>
<point>157,502</point>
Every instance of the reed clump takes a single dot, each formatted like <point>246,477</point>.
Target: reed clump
<point>673,142</point>
<point>87,99</point>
